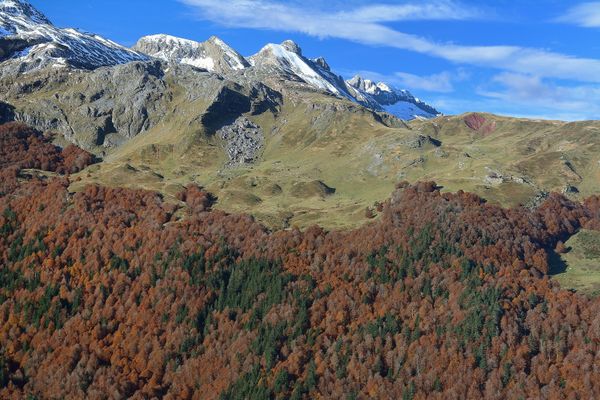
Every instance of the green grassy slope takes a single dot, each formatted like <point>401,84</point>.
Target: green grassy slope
<point>579,268</point>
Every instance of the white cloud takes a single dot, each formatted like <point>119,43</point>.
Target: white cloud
<point>369,29</point>
<point>577,102</point>
<point>439,10</point>
<point>584,14</point>
<point>441,82</point>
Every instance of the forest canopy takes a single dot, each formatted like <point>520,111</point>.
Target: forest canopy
<point>117,293</point>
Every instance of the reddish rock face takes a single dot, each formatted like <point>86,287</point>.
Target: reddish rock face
<point>475,121</point>
<point>478,122</point>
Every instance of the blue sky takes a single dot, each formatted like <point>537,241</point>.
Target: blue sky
<point>526,58</point>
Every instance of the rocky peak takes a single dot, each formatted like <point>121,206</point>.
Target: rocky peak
<point>367,85</point>
<point>215,40</point>
<point>356,81</point>
<point>381,91</point>
<point>227,58</point>
<point>286,62</point>
<point>31,42</point>
<point>292,46</point>
<point>213,55</point>
<point>171,49</point>
<point>22,9</point>
<point>320,61</point>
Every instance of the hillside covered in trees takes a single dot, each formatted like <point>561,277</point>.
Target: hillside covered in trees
<point>116,293</point>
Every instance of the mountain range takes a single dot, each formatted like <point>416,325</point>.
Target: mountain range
<point>31,40</point>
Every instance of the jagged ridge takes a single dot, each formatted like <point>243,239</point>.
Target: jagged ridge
<point>287,61</point>
<point>213,55</point>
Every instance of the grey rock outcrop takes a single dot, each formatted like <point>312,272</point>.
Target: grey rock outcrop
<point>243,141</point>
<point>102,108</point>
<point>419,141</point>
<point>495,178</point>
<point>231,100</point>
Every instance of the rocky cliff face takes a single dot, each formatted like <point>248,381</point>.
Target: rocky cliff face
<point>102,109</point>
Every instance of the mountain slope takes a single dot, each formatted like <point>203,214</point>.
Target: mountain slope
<point>30,40</point>
<point>116,293</point>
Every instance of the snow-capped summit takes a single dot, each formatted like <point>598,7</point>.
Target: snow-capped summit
<point>213,55</point>
<point>286,61</point>
<point>292,46</point>
<point>366,85</point>
<point>24,10</point>
<point>31,39</point>
<point>397,102</point>
<point>321,62</point>
<point>380,91</point>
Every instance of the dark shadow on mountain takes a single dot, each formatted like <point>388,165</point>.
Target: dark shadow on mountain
<point>556,265</point>
<point>227,106</point>
<point>7,113</point>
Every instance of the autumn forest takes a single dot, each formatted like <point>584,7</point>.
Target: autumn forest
<point>113,293</point>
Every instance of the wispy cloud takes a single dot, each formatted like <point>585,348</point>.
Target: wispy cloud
<point>533,92</point>
<point>584,14</point>
<point>439,10</point>
<point>371,30</point>
<point>442,82</point>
